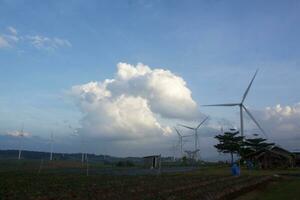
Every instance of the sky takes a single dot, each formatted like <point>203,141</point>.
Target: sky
<point>115,77</point>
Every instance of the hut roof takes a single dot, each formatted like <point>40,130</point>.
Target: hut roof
<point>275,150</point>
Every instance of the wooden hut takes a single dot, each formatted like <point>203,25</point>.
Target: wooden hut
<point>272,157</point>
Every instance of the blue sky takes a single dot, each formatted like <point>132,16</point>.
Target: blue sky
<point>215,46</point>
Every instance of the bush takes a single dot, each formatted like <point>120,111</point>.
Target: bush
<point>125,164</point>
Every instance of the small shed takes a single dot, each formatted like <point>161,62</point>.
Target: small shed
<point>152,162</point>
<point>272,157</point>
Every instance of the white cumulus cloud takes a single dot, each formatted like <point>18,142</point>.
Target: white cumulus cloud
<point>282,124</point>
<point>166,92</point>
<point>134,103</point>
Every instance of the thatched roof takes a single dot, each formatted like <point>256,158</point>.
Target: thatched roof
<point>276,151</point>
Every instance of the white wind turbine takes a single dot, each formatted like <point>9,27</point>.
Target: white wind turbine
<point>75,133</point>
<point>21,134</point>
<point>243,107</point>
<point>181,140</point>
<point>51,145</point>
<point>196,132</point>
<point>173,150</point>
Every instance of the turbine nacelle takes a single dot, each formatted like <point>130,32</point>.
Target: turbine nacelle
<point>243,107</point>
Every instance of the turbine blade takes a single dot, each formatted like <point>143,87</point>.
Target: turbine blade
<point>254,120</point>
<point>249,86</point>
<point>187,136</point>
<point>202,122</point>
<point>226,104</point>
<point>177,132</point>
<point>51,137</point>
<point>186,126</point>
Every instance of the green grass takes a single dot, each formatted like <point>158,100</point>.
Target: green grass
<point>20,180</point>
<point>288,189</point>
<point>280,189</point>
<point>20,185</point>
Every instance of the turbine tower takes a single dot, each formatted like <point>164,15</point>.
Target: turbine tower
<point>20,146</point>
<point>173,150</point>
<point>75,133</point>
<point>51,145</point>
<point>83,153</point>
<point>243,108</point>
<point>181,140</point>
<point>196,132</point>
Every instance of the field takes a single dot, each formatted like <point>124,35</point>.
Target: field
<point>67,180</point>
<point>284,188</point>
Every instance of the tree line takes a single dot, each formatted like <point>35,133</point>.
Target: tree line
<point>231,142</point>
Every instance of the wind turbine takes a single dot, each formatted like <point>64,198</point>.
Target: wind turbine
<point>51,145</point>
<point>75,133</point>
<point>83,153</point>
<point>181,140</point>
<point>192,154</point>
<point>196,132</point>
<point>21,135</point>
<point>173,148</point>
<point>243,107</point>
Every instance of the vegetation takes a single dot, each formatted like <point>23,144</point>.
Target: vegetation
<point>68,180</point>
<point>29,185</point>
<point>283,188</point>
<point>229,142</point>
<point>125,164</point>
<point>253,145</point>
<point>73,157</point>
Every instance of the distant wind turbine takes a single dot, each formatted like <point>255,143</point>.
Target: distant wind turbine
<point>243,107</point>
<point>196,132</point>
<point>192,154</point>
<point>181,140</point>
<point>75,133</point>
<point>173,150</point>
<point>21,134</point>
<point>51,145</point>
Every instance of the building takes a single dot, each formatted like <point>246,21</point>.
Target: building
<point>271,157</point>
<point>152,162</point>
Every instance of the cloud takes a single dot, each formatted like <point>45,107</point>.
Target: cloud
<point>18,134</point>
<point>135,104</point>
<point>166,93</point>
<point>281,124</point>
<point>12,30</point>
<point>3,42</point>
<point>11,38</point>
<point>41,42</point>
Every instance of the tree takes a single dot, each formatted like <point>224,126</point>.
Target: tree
<point>229,142</point>
<point>254,144</point>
